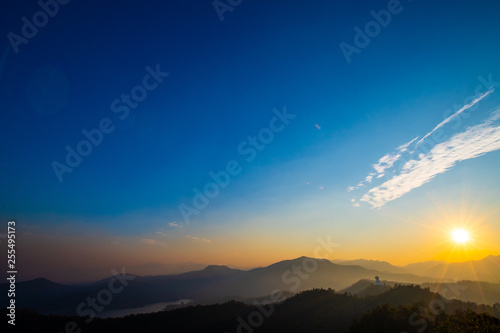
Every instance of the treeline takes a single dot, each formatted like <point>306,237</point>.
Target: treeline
<point>399,309</point>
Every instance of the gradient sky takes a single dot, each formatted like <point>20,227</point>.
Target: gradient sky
<point>386,153</point>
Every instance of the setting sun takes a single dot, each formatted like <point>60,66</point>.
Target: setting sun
<point>460,236</point>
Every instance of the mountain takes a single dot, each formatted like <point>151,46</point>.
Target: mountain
<point>487,269</point>
<point>211,271</point>
<point>154,268</point>
<point>206,285</point>
<point>401,308</point>
<point>468,291</point>
<point>364,288</point>
<point>44,288</point>
<point>377,265</point>
<point>301,274</point>
<point>76,276</point>
<point>423,267</point>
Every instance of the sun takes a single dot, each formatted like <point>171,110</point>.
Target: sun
<point>460,236</point>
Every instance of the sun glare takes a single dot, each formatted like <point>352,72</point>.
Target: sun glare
<point>460,236</point>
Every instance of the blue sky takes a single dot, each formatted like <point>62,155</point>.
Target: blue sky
<point>225,78</point>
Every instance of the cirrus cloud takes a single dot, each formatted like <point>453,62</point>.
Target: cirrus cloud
<point>473,142</point>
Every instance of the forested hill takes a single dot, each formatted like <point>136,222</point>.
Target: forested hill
<point>402,308</point>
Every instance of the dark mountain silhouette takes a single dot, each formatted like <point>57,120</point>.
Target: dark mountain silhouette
<point>468,291</point>
<point>204,286</point>
<point>401,308</point>
<point>364,288</point>
<point>211,271</point>
<point>215,283</point>
<point>76,276</point>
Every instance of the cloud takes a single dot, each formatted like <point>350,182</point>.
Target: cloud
<point>149,241</point>
<point>173,224</point>
<point>386,162</point>
<point>198,240</point>
<point>161,233</point>
<point>369,178</point>
<point>404,147</point>
<point>456,114</point>
<point>473,142</point>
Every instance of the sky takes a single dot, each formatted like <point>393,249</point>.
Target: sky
<point>241,132</point>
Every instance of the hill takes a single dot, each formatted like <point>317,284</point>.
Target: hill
<point>402,308</point>
<point>382,266</point>
<point>468,291</point>
<point>205,286</point>
<point>486,269</point>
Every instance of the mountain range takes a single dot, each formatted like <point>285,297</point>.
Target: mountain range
<point>215,283</point>
<point>487,269</point>
<point>394,309</point>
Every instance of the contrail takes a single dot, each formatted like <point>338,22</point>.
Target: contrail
<point>447,120</point>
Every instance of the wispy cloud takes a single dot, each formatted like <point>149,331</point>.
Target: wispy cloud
<point>456,114</point>
<point>473,142</point>
<point>198,239</point>
<point>404,147</point>
<point>369,178</point>
<point>149,241</point>
<point>386,162</point>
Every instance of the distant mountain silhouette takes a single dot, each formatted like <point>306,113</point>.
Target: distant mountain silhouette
<point>206,285</point>
<point>154,268</point>
<point>74,276</point>
<point>211,271</point>
<point>487,269</point>
<point>423,267</point>
<point>215,282</point>
<point>377,265</point>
